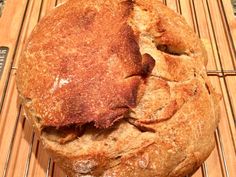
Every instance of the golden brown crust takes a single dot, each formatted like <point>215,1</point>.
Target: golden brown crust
<point>173,112</point>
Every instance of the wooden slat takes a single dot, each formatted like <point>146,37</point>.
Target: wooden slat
<point>31,20</point>
<point>23,138</point>
<point>8,125</point>
<point>220,35</point>
<point>58,172</point>
<point>61,1</point>
<point>227,11</point>
<point>171,4</point>
<point>21,150</point>
<point>186,12</point>
<point>34,164</point>
<point>12,19</point>
<point>47,6</point>
<point>213,164</point>
<point>205,33</point>
<point>41,164</point>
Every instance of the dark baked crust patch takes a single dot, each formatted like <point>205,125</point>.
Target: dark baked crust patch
<point>83,67</point>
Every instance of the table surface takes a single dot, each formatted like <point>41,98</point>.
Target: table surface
<point>21,153</point>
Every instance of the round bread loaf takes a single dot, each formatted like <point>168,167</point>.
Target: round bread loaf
<point>118,88</point>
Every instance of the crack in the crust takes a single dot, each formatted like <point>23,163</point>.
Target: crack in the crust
<point>143,76</point>
<point>166,49</point>
<point>175,81</point>
<point>133,75</point>
<point>164,78</point>
<point>140,126</point>
<point>208,89</point>
<point>170,80</point>
<point>118,157</point>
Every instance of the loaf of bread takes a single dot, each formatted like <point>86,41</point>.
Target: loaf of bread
<point>118,88</point>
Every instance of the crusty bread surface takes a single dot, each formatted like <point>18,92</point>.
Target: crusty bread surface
<point>118,88</point>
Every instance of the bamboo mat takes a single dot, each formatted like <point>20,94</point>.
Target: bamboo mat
<point>21,155</point>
